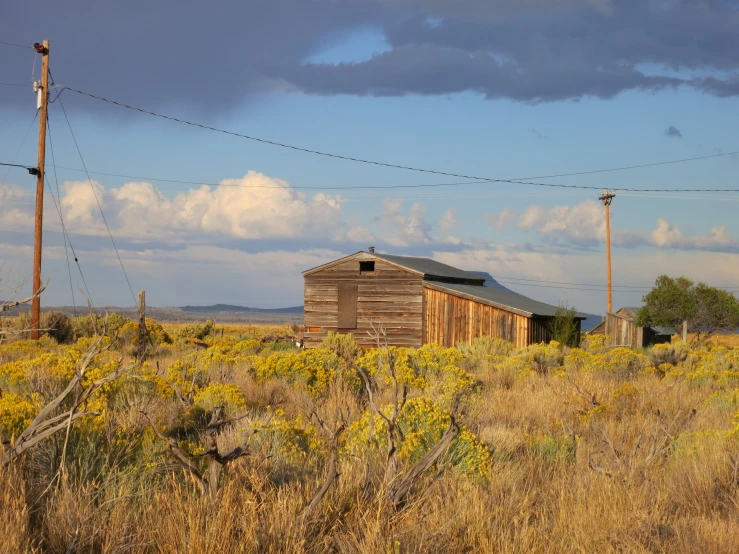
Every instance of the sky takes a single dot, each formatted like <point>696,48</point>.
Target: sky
<point>481,88</point>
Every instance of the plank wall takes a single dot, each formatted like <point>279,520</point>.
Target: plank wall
<point>390,297</point>
<point>449,320</point>
<point>622,331</point>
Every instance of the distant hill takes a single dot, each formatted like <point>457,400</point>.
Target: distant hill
<point>238,309</point>
<point>492,283</point>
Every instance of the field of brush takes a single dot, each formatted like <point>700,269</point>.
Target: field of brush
<point>229,439</point>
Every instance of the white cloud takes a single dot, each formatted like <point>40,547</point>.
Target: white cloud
<point>669,235</point>
<point>16,209</point>
<point>580,224</point>
<point>448,221</point>
<point>253,207</point>
<point>583,225</point>
<point>404,229</point>
<point>500,220</point>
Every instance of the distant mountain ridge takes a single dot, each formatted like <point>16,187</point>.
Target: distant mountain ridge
<point>233,308</point>
<point>492,283</point>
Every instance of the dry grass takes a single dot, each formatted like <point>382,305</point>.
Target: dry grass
<point>649,466</point>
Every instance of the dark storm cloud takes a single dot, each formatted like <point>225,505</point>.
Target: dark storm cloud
<point>673,132</point>
<point>213,56</point>
<point>203,55</point>
<point>542,50</point>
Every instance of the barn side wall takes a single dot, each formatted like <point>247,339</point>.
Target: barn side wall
<point>449,320</point>
<point>390,297</point>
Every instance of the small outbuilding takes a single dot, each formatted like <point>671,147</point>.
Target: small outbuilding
<point>622,329</point>
<point>413,301</point>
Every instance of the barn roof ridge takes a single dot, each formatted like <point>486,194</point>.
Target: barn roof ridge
<point>430,269</point>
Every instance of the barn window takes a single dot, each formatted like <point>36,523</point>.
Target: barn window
<point>367,267</point>
<point>347,306</point>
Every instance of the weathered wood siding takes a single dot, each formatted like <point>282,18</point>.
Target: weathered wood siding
<point>622,331</point>
<point>390,297</point>
<point>450,319</point>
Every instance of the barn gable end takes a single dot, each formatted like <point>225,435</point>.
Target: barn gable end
<point>351,295</point>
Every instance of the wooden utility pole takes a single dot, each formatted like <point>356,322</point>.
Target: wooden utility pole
<point>606,198</point>
<point>43,99</point>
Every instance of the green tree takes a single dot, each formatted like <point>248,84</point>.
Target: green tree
<point>706,309</point>
<point>564,327</point>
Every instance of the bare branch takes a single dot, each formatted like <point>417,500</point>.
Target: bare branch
<point>8,305</point>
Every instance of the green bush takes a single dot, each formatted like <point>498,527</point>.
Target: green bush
<point>58,326</point>
<point>197,330</point>
<point>486,346</point>
<point>345,346</point>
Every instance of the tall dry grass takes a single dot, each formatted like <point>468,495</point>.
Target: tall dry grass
<point>582,461</point>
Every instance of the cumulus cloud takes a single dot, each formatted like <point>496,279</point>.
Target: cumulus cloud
<point>16,209</point>
<point>404,229</point>
<point>448,221</point>
<point>253,207</point>
<point>669,235</point>
<point>673,132</point>
<point>500,220</point>
<point>583,226</point>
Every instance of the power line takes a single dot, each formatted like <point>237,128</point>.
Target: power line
<point>58,207</point>
<point>573,288</point>
<point>25,136</point>
<point>16,45</point>
<point>565,283</point>
<point>17,165</point>
<point>627,167</point>
<point>520,181</point>
<point>61,217</point>
<point>12,85</point>
<point>361,187</point>
<point>97,200</point>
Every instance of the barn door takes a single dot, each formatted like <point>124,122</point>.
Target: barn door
<point>347,306</point>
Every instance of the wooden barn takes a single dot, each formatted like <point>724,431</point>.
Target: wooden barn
<point>415,301</point>
<point>622,329</point>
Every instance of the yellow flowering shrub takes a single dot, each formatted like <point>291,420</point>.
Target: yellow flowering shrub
<point>220,394</point>
<point>16,413</point>
<point>311,369</point>
<point>620,361</point>
<point>421,424</point>
<point>428,366</point>
<point>129,333</point>
<point>290,441</point>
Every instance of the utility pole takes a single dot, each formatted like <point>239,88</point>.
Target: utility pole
<point>42,104</point>
<point>606,198</point>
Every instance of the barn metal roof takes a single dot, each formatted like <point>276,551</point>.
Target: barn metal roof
<point>430,268</point>
<point>505,300</point>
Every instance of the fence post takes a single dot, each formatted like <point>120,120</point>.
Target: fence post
<point>143,334</point>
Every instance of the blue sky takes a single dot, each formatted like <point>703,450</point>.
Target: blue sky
<point>476,88</point>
